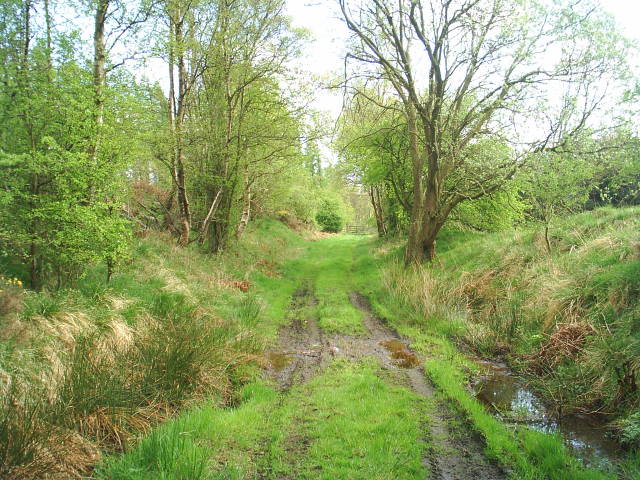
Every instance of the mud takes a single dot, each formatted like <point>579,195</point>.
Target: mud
<point>400,353</point>
<point>302,349</point>
<point>456,453</point>
<point>279,361</point>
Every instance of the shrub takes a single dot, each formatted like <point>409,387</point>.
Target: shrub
<point>631,428</point>
<point>329,216</point>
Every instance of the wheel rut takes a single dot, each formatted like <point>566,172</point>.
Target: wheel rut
<point>454,454</point>
<point>303,350</point>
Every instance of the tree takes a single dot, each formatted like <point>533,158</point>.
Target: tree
<point>374,148</point>
<point>62,151</point>
<point>556,184</point>
<point>241,126</point>
<point>471,71</point>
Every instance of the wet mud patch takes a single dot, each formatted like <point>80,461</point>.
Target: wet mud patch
<point>400,354</point>
<point>279,361</point>
<point>301,352</point>
<point>456,452</point>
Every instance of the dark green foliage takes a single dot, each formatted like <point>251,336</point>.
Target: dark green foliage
<point>329,216</point>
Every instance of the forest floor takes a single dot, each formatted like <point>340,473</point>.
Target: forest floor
<point>348,390</point>
<point>341,396</point>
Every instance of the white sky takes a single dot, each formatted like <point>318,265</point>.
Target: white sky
<point>325,52</point>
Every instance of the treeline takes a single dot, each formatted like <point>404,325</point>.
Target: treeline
<point>485,113</point>
<point>590,172</point>
<point>90,152</point>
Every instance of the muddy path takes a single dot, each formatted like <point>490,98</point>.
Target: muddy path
<point>302,350</point>
<point>455,452</point>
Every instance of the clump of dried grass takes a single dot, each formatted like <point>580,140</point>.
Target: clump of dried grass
<point>65,327</point>
<point>108,384</point>
<point>11,300</point>
<point>566,342</point>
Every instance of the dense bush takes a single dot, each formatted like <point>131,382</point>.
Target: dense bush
<point>330,217</point>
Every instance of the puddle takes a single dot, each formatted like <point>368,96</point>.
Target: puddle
<point>510,398</point>
<point>399,352</point>
<point>393,345</point>
<point>279,361</point>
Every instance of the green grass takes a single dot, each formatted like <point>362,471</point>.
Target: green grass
<point>326,266</point>
<point>528,454</point>
<point>345,423</point>
<point>172,329</point>
<point>334,281</point>
<point>433,333</point>
<point>357,426</point>
<point>203,443</point>
<point>504,294</point>
<point>349,423</point>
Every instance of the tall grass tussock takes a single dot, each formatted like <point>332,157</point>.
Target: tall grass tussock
<point>89,370</point>
<point>569,318</point>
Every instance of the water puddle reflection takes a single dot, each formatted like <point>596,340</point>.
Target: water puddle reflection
<point>400,354</point>
<point>510,398</point>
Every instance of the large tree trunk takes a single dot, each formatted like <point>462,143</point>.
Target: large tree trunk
<point>429,234</point>
<point>414,252</point>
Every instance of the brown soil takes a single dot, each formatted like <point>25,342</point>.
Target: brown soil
<point>303,350</point>
<point>456,453</point>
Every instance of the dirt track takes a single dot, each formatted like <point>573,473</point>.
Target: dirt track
<point>455,453</point>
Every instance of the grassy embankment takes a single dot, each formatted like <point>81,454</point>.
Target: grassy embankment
<point>349,422</point>
<point>569,318</point>
<point>87,370</point>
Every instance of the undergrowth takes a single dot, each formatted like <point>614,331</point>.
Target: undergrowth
<point>87,370</point>
<point>569,318</point>
<point>345,423</point>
